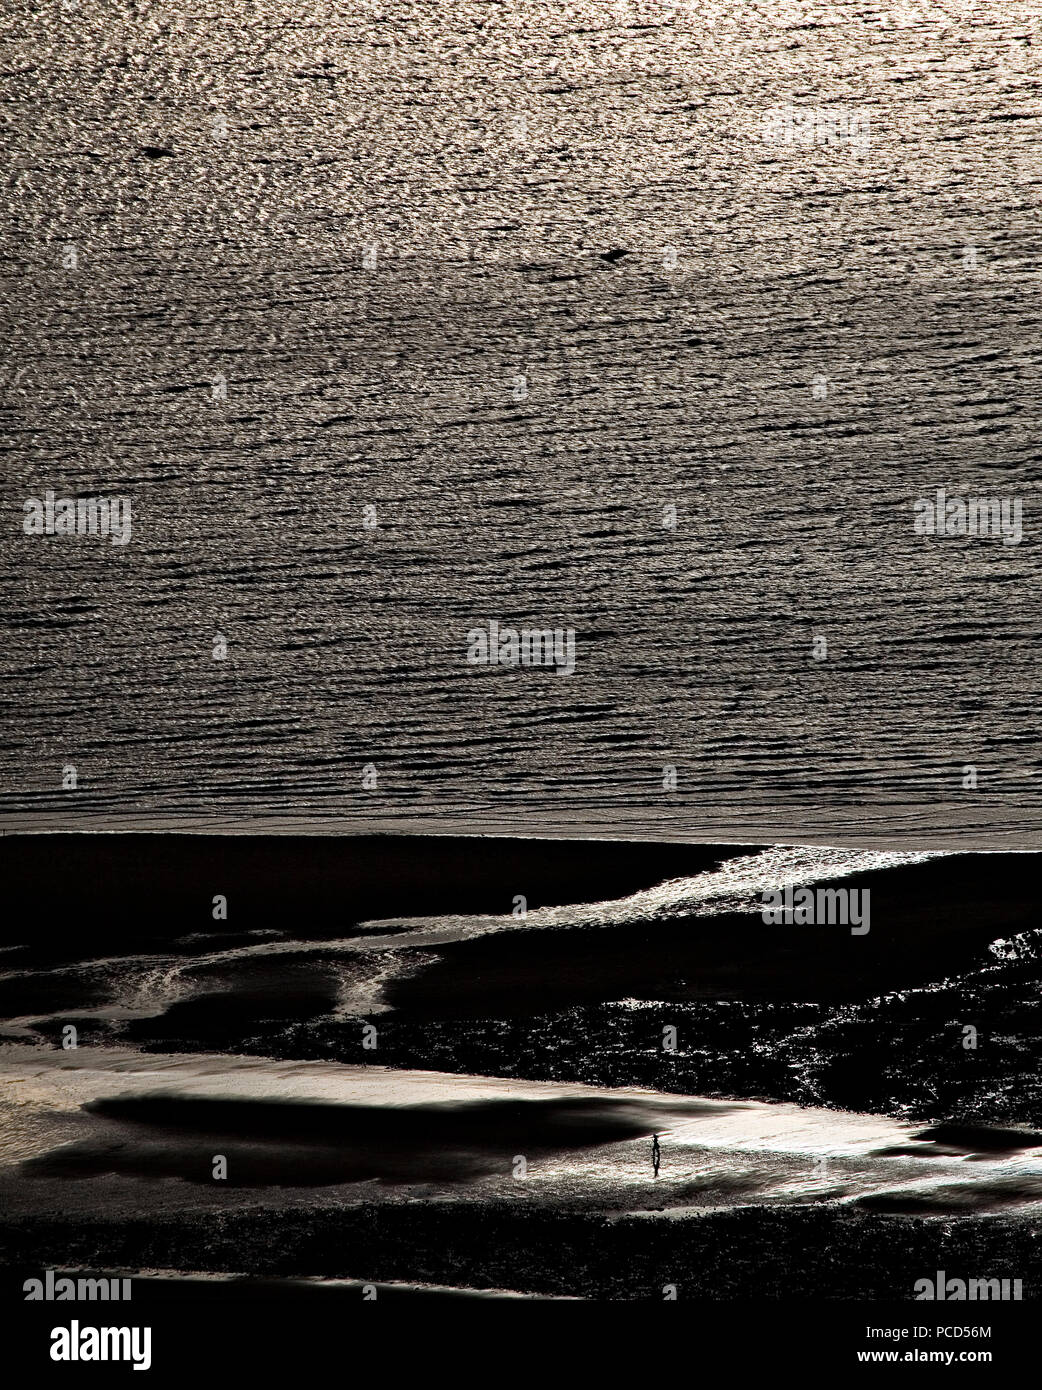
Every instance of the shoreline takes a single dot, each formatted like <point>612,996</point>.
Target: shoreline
<point>953,827</point>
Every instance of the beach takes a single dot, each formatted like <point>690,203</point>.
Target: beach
<point>377,1072</point>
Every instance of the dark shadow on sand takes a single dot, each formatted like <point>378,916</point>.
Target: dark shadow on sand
<point>302,1144</point>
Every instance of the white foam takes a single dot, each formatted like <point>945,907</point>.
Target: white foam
<point>736,886</point>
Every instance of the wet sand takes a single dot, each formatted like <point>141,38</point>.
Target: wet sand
<point>109,1161</point>
<point>113,1115</point>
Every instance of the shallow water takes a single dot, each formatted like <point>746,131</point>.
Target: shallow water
<point>345,976</point>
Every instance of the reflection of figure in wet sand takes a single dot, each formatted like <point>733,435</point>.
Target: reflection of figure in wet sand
<point>656,1153</point>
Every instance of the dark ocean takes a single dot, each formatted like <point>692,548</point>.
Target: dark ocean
<point>521,278</point>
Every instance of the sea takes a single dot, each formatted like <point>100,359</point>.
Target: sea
<point>391,323</point>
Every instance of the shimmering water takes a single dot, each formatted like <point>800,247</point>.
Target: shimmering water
<point>597,293</point>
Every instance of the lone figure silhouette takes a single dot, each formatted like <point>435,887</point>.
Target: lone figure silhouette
<point>656,1153</point>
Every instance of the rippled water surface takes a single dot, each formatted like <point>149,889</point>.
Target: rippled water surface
<point>596,293</point>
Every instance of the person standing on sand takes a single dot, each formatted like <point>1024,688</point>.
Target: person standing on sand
<point>656,1153</point>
